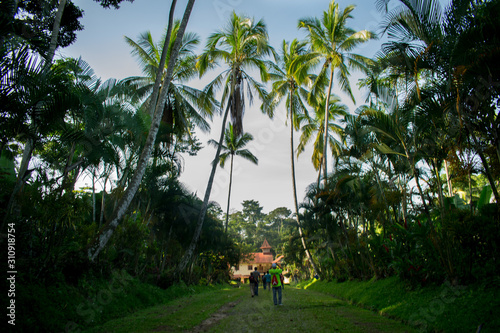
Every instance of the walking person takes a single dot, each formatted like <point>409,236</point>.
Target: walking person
<point>267,280</point>
<point>254,282</point>
<point>276,283</point>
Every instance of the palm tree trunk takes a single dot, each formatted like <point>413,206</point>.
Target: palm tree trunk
<point>190,251</point>
<point>306,250</point>
<point>55,33</point>
<point>229,193</point>
<point>201,219</point>
<point>325,140</point>
<point>103,202</point>
<point>93,195</point>
<point>382,192</point>
<point>66,168</point>
<point>426,208</point>
<point>470,189</point>
<point>434,165</point>
<point>318,180</point>
<point>448,179</point>
<point>159,77</point>
<point>23,168</point>
<point>122,206</point>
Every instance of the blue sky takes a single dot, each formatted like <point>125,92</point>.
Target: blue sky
<point>102,45</point>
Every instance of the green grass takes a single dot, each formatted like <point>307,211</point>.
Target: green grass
<point>174,316</point>
<point>436,308</point>
<point>124,304</point>
<point>63,308</point>
<point>304,311</point>
<point>233,310</point>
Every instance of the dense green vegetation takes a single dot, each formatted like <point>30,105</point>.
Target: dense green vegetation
<point>94,301</point>
<point>412,191</point>
<point>441,308</point>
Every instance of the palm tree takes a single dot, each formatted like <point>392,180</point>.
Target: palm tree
<point>333,42</point>
<point>183,102</point>
<point>158,106</point>
<point>242,45</point>
<point>450,45</point>
<point>234,146</point>
<point>314,129</point>
<point>396,133</point>
<point>290,77</point>
<point>36,99</point>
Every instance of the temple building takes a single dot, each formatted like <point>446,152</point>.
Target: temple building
<point>262,260</point>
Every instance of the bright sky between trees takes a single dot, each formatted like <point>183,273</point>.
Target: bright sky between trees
<point>102,45</point>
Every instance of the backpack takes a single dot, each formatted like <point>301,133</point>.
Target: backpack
<point>251,278</point>
<point>274,280</point>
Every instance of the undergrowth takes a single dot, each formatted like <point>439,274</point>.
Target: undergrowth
<point>434,308</point>
<point>61,307</point>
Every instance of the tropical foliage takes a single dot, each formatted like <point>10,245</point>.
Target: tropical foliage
<point>90,168</point>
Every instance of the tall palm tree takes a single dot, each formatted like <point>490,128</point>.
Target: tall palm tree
<point>332,41</point>
<point>290,77</point>
<point>184,105</point>
<point>314,129</point>
<point>242,45</point>
<point>234,146</point>
<point>158,106</point>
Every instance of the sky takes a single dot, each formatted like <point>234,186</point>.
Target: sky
<point>102,45</point>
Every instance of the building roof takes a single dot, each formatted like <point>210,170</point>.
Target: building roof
<point>262,258</point>
<point>278,259</point>
<point>265,245</point>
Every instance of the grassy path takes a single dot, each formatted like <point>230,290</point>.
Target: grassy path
<point>233,310</point>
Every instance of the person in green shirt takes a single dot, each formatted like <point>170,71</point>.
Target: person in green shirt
<point>276,283</point>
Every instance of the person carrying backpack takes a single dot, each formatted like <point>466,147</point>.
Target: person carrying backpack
<point>276,283</point>
<point>254,282</point>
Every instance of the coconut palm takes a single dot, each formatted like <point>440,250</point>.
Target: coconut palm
<point>185,105</point>
<point>158,106</point>
<point>242,45</point>
<point>332,41</point>
<point>290,77</point>
<point>314,129</point>
<point>234,146</point>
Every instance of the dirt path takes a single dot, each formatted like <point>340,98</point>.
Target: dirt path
<point>207,324</point>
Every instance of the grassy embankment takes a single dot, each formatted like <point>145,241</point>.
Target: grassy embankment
<point>61,307</point>
<point>444,308</point>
